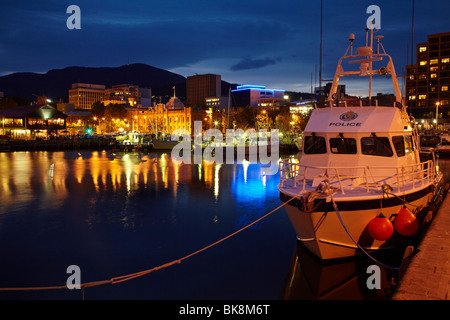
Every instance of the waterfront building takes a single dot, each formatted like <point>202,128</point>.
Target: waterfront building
<point>164,119</point>
<point>302,107</point>
<point>128,94</point>
<point>200,87</point>
<point>32,121</point>
<point>248,95</point>
<point>270,103</point>
<point>84,95</point>
<point>428,81</point>
<point>139,119</point>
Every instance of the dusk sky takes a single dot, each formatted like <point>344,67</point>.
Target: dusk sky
<point>271,43</point>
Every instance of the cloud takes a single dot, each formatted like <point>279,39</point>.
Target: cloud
<point>249,63</point>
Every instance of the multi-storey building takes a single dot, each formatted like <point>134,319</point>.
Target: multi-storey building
<point>128,94</point>
<point>249,95</point>
<point>84,95</point>
<point>200,87</point>
<point>428,81</point>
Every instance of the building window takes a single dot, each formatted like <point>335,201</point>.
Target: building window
<point>411,77</point>
<point>434,69</point>
<point>433,75</point>
<point>422,96</point>
<point>422,76</point>
<point>444,88</point>
<point>412,97</point>
<point>445,60</point>
<point>434,61</point>
<point>13,122</point>
<point>56,122</point>
<point>34,122</point>
<point>422,49</point>
<point>423,63</point>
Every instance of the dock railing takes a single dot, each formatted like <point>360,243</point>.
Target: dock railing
<point>400,178</point>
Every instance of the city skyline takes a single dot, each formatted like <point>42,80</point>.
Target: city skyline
<point>275,44</point>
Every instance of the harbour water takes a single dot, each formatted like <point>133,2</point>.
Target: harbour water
<point>113,215</point>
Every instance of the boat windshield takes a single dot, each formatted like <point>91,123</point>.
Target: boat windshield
<point>376,146</point>
<point>343,145</point>
<point>314,145</point>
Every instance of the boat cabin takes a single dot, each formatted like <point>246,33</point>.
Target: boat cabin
<point>355,137</point>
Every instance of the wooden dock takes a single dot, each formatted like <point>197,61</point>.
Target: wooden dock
<point>427,276</point>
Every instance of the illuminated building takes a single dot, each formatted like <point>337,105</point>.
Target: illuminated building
<point>216,102</point>
<point>200,87</point>
<point>428,81</point>
<point>163,119</point>
<point>248,95</point>
<point>84,95</point>
<point>128,94</point>
<point>28,122</point>
<point>302,107</point>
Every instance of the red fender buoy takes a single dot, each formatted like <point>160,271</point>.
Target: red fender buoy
<point>381,228</point>
<point>406,222</point>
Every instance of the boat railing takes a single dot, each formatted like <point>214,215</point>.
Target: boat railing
<point>400,178</point>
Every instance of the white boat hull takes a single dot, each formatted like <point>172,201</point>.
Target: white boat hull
<point>322,233</point>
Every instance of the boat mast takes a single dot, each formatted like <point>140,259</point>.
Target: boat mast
<point>320,66</point>
<point>370,63</point>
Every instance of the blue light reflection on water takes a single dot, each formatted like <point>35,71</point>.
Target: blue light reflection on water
<point>114,215</point>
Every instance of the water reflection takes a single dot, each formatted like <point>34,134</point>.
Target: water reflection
<point>98,182</point>
<point>52,173</point>
<point>118,213</point>
<point>312,279</point>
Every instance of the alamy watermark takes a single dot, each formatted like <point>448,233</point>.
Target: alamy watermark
<point>74,20</point>
<point>374,21</point>
<point>212,146</point>
<point>74,280</point>
<point>374,280</point>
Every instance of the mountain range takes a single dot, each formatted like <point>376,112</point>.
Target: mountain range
<point>55,83</point>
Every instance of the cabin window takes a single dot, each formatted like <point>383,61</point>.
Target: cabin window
<point>314,145</point>
<point>409,145</point>
<point>399,145</point>
<point>376,146</point>
<point>343,145</point>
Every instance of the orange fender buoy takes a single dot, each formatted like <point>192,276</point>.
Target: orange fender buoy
<point>406,222</point>
<point>381,228</point>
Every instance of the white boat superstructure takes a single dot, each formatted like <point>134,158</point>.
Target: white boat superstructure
<point>443,147</point>
<point>357,163</point>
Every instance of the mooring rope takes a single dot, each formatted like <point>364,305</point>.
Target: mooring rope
<point>130,276</point>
